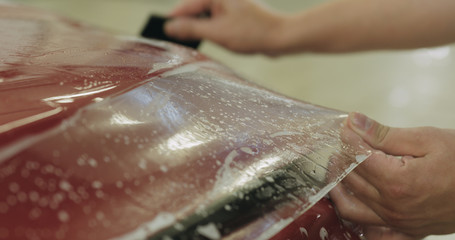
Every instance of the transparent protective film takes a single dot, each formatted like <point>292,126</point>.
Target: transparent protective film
<point>194,151</point>
<point>169,145</point>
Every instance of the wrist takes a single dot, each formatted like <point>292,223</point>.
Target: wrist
<point>291,36</point>
<point>307,32</point>
<point>279,37</point>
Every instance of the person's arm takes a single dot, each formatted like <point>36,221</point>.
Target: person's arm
<point>336,26</point>
<point>353,25</point>
<point>407,184</point>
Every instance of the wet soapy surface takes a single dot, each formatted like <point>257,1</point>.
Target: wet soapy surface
<point>126,138</point>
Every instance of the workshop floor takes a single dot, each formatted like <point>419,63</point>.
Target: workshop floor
<point>402,89</point>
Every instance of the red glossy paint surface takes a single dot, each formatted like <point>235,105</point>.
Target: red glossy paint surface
<point>45,57</point>
<point>104,137</point>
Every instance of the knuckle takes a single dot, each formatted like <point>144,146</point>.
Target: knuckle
<point>397,192</point>
<point>399,188</point>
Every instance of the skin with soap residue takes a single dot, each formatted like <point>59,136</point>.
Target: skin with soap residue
<point>394,198</point>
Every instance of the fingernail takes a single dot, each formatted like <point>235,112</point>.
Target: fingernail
<point>360,121</point>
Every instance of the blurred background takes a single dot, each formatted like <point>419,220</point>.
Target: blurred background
<point>398,88</point>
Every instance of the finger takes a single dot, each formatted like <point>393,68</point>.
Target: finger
<point>383,171</point>
<point>354,145</point>
<point>191,8</point>
<point>361,188</point>
<point>365,192</point>
<point>354,140</point>
<point>394,141</point>
<point>352,209</point>
<point>189,28</point>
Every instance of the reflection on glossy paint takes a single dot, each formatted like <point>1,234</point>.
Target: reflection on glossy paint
<point>183,140</point>
<point>76,95</point>
<point>168,64</point>
<point>118,118</point>
<point>265,164</point>
<point>229,179</point>
<point>258,168</point>
<point>66,100</point>
<point>98,99</point>
<point>28,120</point>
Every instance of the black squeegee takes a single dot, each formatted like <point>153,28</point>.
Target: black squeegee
<point>155,29</point>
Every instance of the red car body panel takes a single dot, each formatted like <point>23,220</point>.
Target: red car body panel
<point>105,137</point>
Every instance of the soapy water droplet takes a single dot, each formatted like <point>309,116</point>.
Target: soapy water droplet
<point>64,185</point>
<point>98,99</point>
<point>92,162</point>
<point>323,234</point>
<point>97,184</point>
<point>34,213</point>
<point>34,196</point>
<point>63,216</point>
<point>100,216</point>
<point>14,187</point>
<point>142,164</point>
<point>99,194</point>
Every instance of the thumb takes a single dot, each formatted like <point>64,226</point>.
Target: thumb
<point>393,141</point>
<point>187,28</point>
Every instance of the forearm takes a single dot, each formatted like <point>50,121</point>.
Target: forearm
<point>355,25</point>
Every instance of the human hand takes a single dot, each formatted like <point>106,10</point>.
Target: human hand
<point>412,195</point>
<point>240,25</point>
